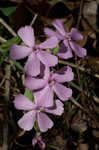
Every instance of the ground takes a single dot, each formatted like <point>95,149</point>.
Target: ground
<point>78,127</point>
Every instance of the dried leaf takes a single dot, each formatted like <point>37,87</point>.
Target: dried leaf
<point>82,147</point>
<point>95,133</point>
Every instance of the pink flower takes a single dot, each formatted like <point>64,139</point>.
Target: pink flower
<point>38,139</point>
<point>36,111</point>
<point>34,52</point>
<point>52,82</point>
<point>35,140</point>
<point>69,43</point>
<point>42,144</point>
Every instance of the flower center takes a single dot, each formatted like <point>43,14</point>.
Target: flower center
<point>39,108</point>
<point>51,80</point>
<point>68,37</point>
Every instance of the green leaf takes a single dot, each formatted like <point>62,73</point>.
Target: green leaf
<point>55,51</point>
<point>2,59</point>
<point>17,64</point>
<point>66,103</point>
<point>3,55</point>
<point>1,50</point>
<point>29,94</point>
<point>53,1</point>
<point>36,127</point>
<point>72,112</point>
<point>7,45</point>
<point>8,11</point>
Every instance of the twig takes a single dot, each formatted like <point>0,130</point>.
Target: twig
<point>21,145</point>
<point>54,147</point>
<point>76,62</point>
<point>80,13</point>
<point>78,88</point>
<point>29,9</point>
<point>84,110</point>
<point>75,86</point>
<point>3,80</point>
<point>79,67</point>
<point>7,91</point>
<point>33,20</point>
<point>7,27</point>
<point>2,39</point>
<point>76,103</point>
<point>92,27</point>
<point>96,99</point>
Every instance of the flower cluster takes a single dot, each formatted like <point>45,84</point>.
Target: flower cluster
<point>41,78</point>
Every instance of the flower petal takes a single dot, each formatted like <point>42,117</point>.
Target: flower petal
<point>34,140</point>
<point>65,51</point>
<point>27,35</point>
<point>34,83</point>
<point>63,75</point>
<point>59,26</point>
<point>58,109</point>
<point>62,92</point>
<point>44,122</point>
<point>19,52</point>
<point>42,144</point>
<point>80,52</point>
<point>46,73</point>
<point>32,66</point>
<point>27,121</point>
<point>52,42</point>
<point>44,97</point>
<point>50,33</point>
<point>21,102</point>
<point>47,59</point>
<point>75,34</point>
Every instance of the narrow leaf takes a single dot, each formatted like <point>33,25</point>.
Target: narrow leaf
<point>29,94</point>
<point>8,11</point>
<point>55,51</point>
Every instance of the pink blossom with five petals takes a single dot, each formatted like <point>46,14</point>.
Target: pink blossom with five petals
<point>50,83</point>
<point>36,111</point>
<point>69,43</point>
<point>35,52</point>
